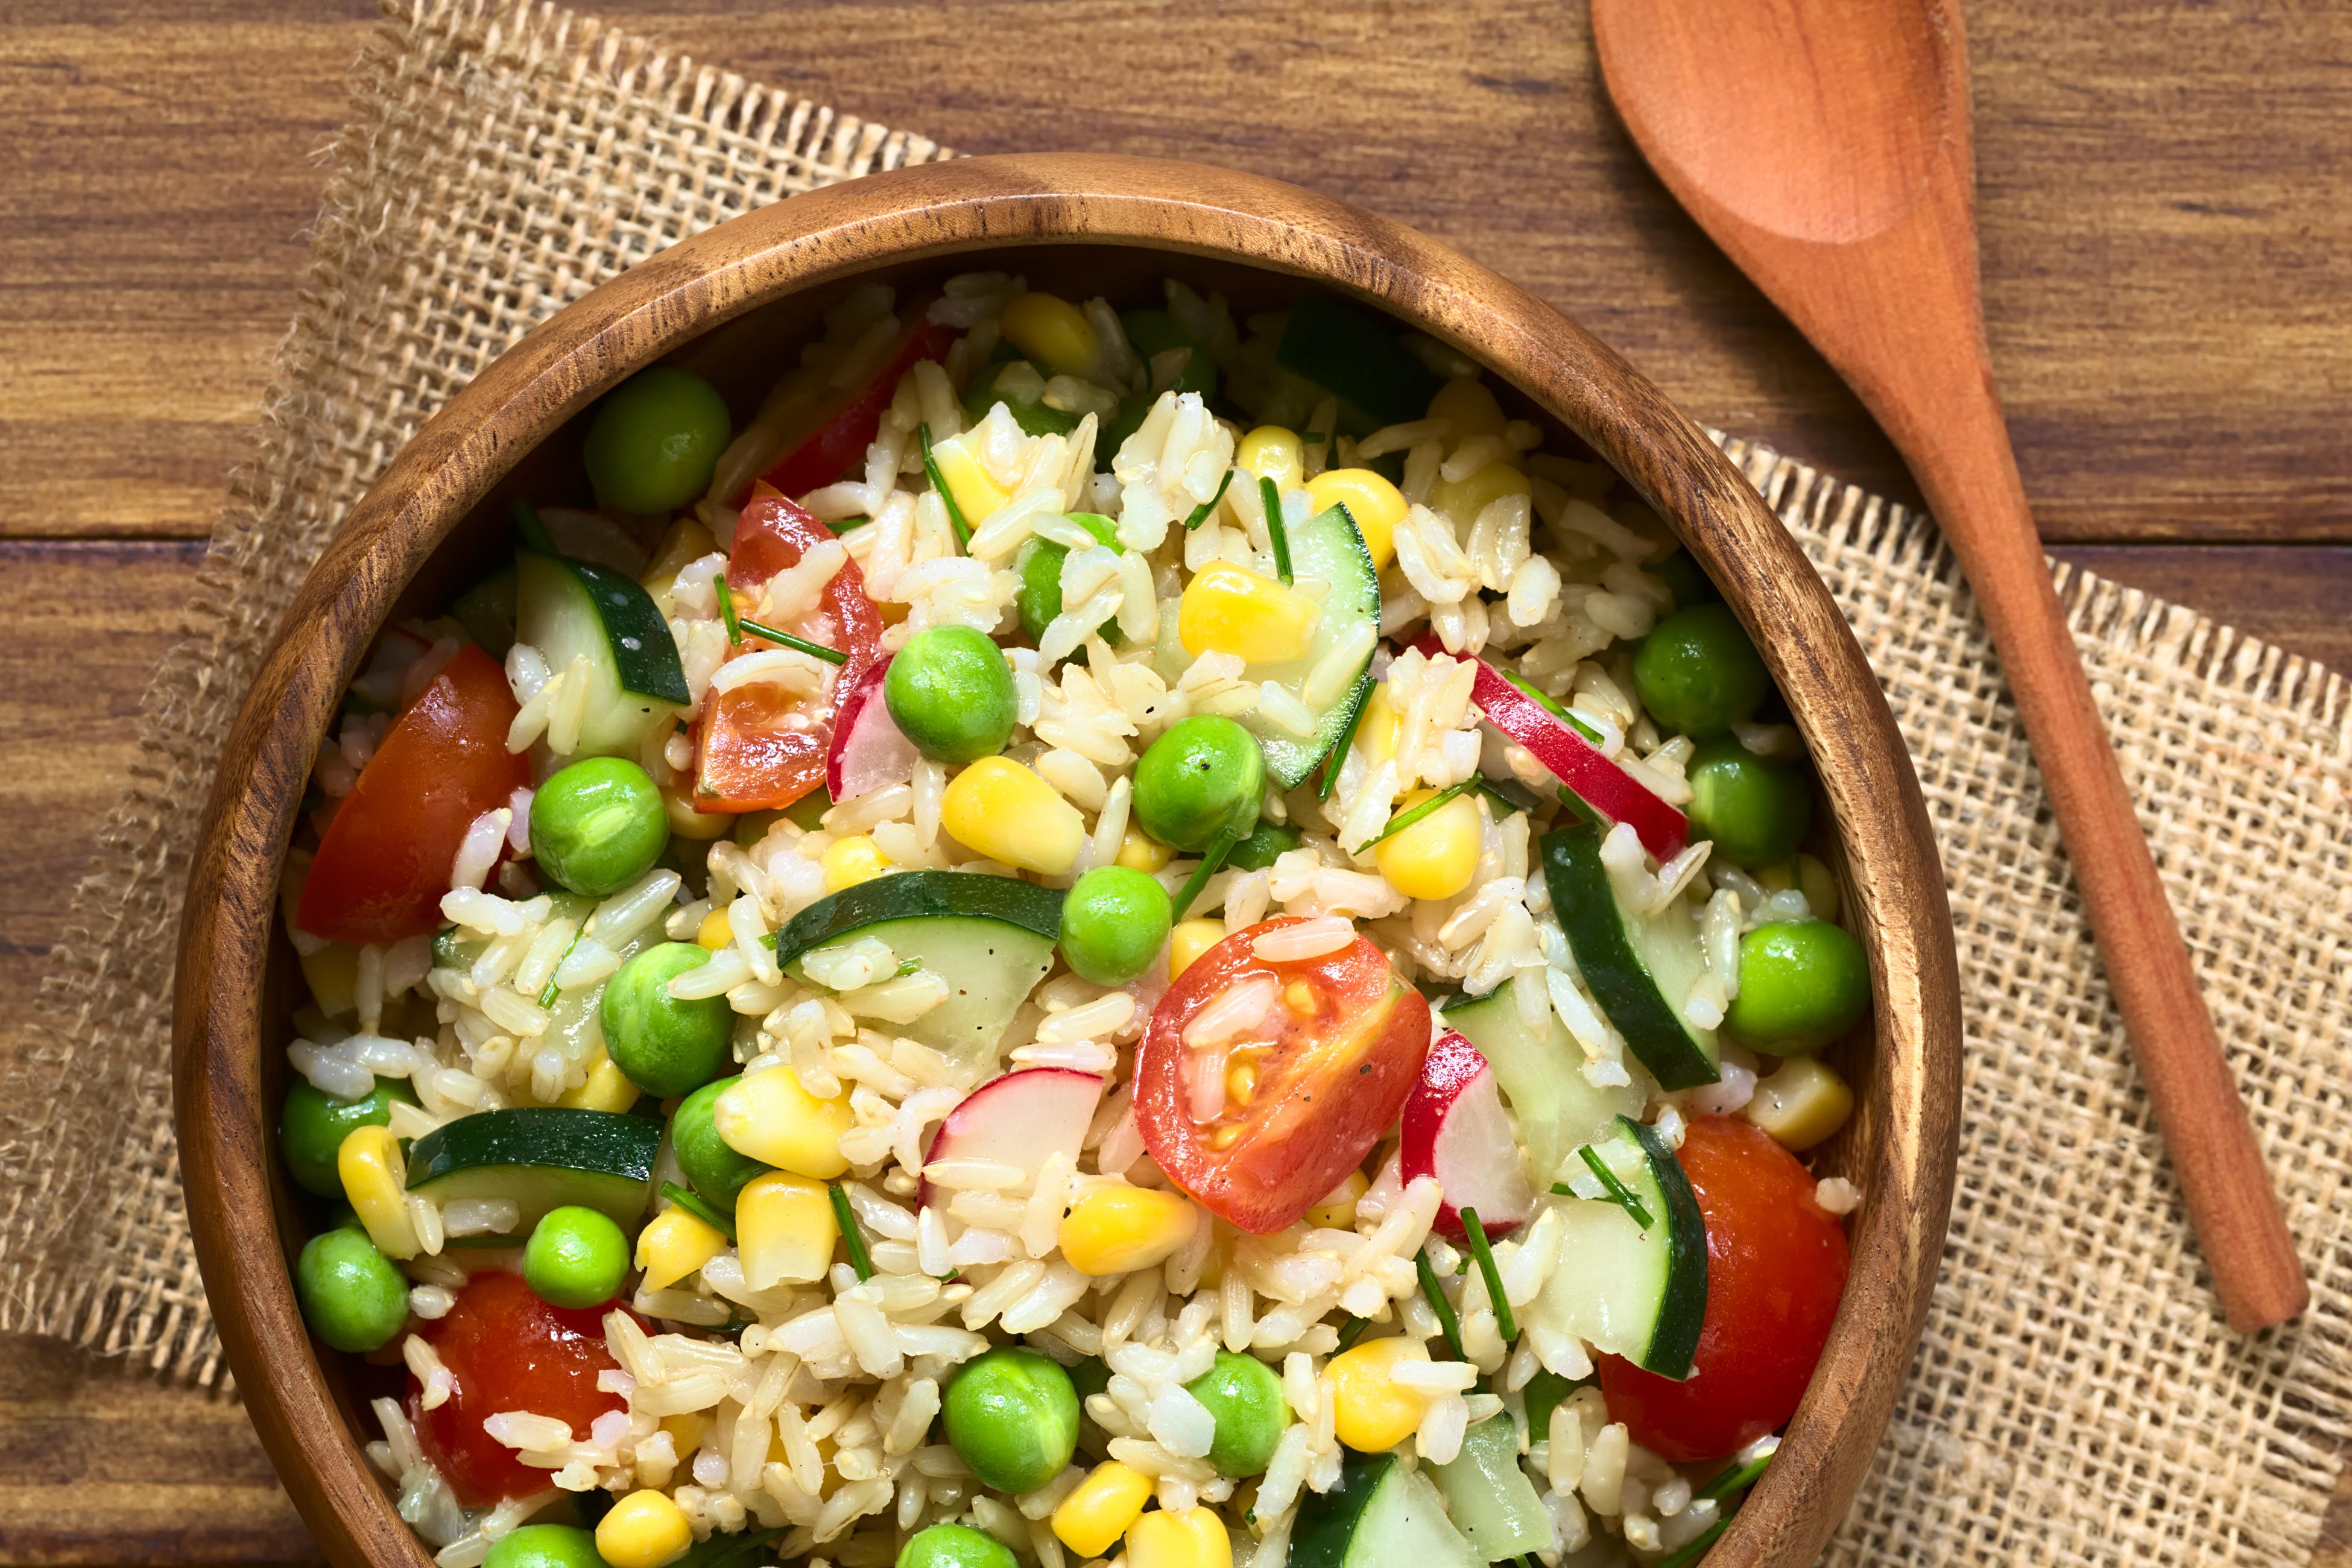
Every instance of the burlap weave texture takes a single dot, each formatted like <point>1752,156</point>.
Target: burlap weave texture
<point>2076,1398</point>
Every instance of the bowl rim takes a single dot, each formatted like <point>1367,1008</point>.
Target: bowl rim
<point>975,205</point>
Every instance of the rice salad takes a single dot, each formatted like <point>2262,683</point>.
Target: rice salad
<point>1086,935</point>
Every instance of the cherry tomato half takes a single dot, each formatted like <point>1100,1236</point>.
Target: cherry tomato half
<point>839,443</point>
<point>509,1351</point>
<point>762,746</point>
<point>383,862</point>
<point>1776,1263</point>
<point>1309,1089</point>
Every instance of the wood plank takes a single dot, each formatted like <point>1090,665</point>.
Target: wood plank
<point>2298,597</point>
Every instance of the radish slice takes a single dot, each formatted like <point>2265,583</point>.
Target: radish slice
<point>869,752</point>
<point>1455,1130</point>
<point>1020,1119</point>
<point>1600,783</point>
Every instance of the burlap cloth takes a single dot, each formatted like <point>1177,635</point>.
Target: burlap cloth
<point>2076,1398</point>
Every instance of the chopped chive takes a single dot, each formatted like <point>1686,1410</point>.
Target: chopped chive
<point>727,609</point>
<point>692,1204</point>
<point>1697,1548</point>
<point>1199,514</point>
<point>1737,1478</point>
<point>550,991</point>
<point>1313,437</point>
<point>1270,495</point>
<point>1504,1322</point>
<point>1339,758</point>
<point>1619,1193</point>
<point>947,496</point>
<point>1412,814</point>
<point>798,645</point>
<point>1504,804</point>
<point>1352,1330</point>
<point>859,1258</point>
<point>1218,847</point>
<point>1447,1324</point>
<point>534,532</point>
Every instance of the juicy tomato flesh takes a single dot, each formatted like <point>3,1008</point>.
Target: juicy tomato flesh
<point>1776,1264</point>
<point>383,861</point>
<point>1309,1088</point>
<point>761,746</point>
<point>839,443</point>
<point>509,1350</point>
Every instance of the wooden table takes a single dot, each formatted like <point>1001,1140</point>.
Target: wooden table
<point>2168,255</point>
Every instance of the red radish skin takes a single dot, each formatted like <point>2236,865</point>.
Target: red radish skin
<point>1020,1119</point>
<point>1454,1129</point>
<point>1577,762</point>
<point>869,751</point>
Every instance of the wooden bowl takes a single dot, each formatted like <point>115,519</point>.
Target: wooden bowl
<point>1095,221</point>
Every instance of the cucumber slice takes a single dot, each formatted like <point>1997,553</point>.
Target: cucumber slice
<point>1326,547</point>
<point>1489,1497</point>
<point>990,938</point>
<point>1381,1515</point>
<point>541,1157</point>
<point>1637,1293</point>
<point>1639,968</point>
<point>569,609</point>
<point>1359,359</point>
<point>1541,1073</point>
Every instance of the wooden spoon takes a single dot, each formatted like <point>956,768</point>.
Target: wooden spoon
<point>1826,146</point>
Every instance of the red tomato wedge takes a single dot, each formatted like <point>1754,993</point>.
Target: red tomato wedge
<point>1776,1263</point>
<point>1310,1084</point>
<point>509,1351</point>
<point>761,747</point>
<point>839,443</point>
<point>383,862</point>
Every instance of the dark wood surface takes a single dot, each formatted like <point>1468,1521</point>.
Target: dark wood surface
<point>2166,256</point>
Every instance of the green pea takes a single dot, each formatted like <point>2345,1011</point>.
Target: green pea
<point>1039,597</point>
<point>1800,987</point>
<point>1685,581</point>
<point>1754,810</point>
<point>1113,922</point>
<point>949,690</point>
<point>313,1125</point>
<point>1123,424</point>
<point>952,1546</point>
<point>667,1047</point>
<point>598,826</point>
<point>576,1257</point>
<point>545,1546</point>
<point>711,1167</point>
<point>1202,779</point>
<point>1245,1397</point>
<point>1021,398</point>
<point>352,1295</point>
<point>655,439</point>
<point>1697,673</point>
<point>1266,843</point>
<point>1013,1418</point>
<point>1152,331</point>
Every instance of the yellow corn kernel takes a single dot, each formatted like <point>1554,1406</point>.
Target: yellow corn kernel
<point>673,1245</point>
<point>686,540</point>
<point>1093,1515</point>
<point>977,495</point>
<point>1338,1211</point>
<point>714,933</point>
<point>1195,1537</point>
<point>1139,851</point>
<point>1465,401</point>
<point>1117,1231</point>
<point>1777,878</point>
<point>1004,811</point>
<point>685,1430</point>
<point>684,822</point>
<point>1436,856</point>
<point>1190,940</point>
<point>784,1230</point>
<point>333,973</point>
<point>1376,505</point>
<point>1819,886</point>
<point>375,1180</point>
<point>1050,331</point>
<point>1374,1412</point>
<point>767,1116</point>
<point>644,1530</point>
<point>1463,499</point>
<point>607,1088</point>
<point>1271,452</point>
<point>851,860</point>
<point>1378,732</point>
<point>1231,609</point>
<point>1801,1103</point>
